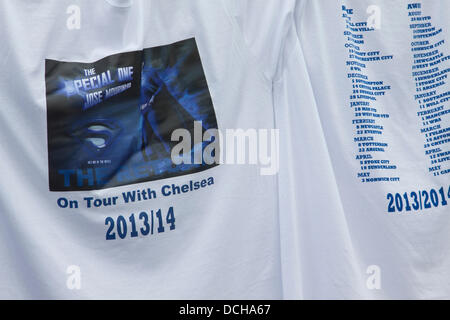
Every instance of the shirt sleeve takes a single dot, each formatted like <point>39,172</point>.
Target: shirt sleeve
<point>265,26</point>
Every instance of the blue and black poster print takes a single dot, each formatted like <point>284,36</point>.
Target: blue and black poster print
<point>110,122</point>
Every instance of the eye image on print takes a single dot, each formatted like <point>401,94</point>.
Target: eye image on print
<point>110,122</point>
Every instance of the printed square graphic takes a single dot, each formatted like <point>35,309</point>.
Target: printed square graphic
<point>110,122</point>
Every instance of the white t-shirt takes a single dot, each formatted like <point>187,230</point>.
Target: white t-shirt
<point>317,255</point>
<point>90,92</point>
<point>379,77</point>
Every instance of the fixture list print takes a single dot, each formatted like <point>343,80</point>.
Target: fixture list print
<point>430,71</point>
<point>369,119</point>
